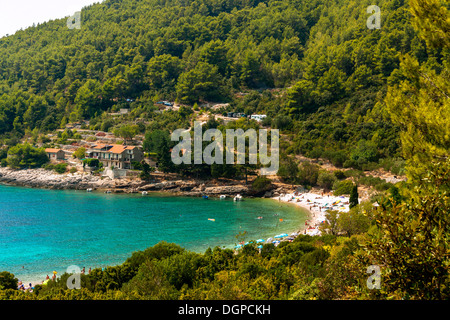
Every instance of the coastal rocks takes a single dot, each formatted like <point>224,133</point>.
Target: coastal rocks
<point>237,189</point>
<point>42,178</point>
<point>160,186</point>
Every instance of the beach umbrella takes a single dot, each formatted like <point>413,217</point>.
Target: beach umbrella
<point>238,246</point>
<point>259,240</point>
<point>260,247</point>
<point>281,235</point>
<point>269,239</point>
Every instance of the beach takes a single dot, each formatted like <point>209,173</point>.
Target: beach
<point>317,205</point>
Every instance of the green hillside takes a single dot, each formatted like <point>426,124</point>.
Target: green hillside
<point>359,97</point>
<point>312,66</point>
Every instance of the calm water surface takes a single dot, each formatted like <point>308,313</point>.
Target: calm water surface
<point>46,230</point>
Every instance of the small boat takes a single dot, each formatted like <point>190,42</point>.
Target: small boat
<point>259,218</point>
<point>238,198</point>
<point>89,190</point>
<point>144,193</point>
<point>205,197</point>
<point>211,219</point>
<point>108,191</point>
<point>223,197</point>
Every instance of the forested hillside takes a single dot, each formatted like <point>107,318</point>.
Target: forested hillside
<point>335,88</point>
<point>312,66</point>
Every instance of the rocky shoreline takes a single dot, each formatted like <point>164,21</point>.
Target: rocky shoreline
<point>42,178</point>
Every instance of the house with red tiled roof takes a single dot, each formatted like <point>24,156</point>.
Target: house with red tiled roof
<point>115,155</point>
<point>55,154</point>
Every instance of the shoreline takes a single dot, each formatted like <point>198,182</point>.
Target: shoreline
<point>317,206</point>
<point>34,279</point>
<point>44,179</point>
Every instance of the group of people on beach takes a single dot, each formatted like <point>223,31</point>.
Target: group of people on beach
<point>21,286</point>
<point>30,287</point>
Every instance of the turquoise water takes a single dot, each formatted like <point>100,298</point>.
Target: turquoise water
<point>46,230</point>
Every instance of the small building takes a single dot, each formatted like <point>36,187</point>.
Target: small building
<point>115,155</point>
<point>55,154</point>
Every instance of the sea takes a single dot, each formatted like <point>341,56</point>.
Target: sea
<point>42,230</point>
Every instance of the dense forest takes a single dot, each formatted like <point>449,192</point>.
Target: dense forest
<point>337,90</point>
<point>312,66</point>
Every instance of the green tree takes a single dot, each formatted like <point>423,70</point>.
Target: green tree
<point>159,142</point>
<point>127,132</point>
<point>7,281</point>
<point>87,99</point>
<point>354,197</point>
<point>80,153</point>
<point>420,103</point>
<point>325,180</point>
<point>163,71</point>
<point>200,83</point>
<point>25,156</point>
<point>146,170</point>
<point>411,241</point>
<point>151,283</point>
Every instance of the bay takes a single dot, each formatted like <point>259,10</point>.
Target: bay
<point>46,230</point>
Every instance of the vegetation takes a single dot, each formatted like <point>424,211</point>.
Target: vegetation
<point>312,66</point>
<point>25,156</point>
<point>338,91</point>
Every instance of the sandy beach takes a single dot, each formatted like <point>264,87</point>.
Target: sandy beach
<point>317,205</point>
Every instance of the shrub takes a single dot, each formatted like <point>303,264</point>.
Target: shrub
<point>93,163</point>
<point>342,187</point>
<point>80,153</point>
<point>48,166</point>
<point>339,174</point>
<point>7,280</point>
<point>261,184</point>
<point>60,168</point>
<point>325,180</point>
<point>25,156</point>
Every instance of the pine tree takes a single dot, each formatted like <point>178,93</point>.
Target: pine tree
<point>354,197</point>
<point>420,104</point>
<point>412,242</point>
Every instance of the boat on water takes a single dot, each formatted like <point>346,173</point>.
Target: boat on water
<point>108,191</point>
<point>223,197</point>
<point>205,197</point>
<point>238,198</point>
<point>89,190</point>
<point>144,193</point>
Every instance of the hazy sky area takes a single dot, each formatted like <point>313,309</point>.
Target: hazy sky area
<point>21,14</point>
